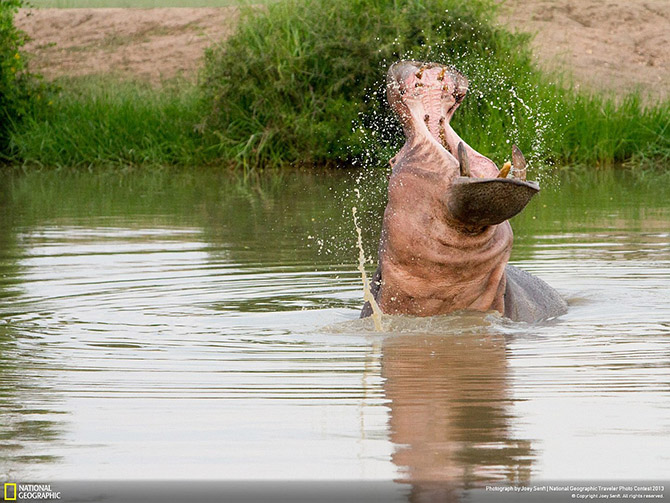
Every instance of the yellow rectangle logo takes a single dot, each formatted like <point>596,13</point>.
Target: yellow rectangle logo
<point>7,491</point>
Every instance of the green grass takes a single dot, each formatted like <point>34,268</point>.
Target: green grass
<point>603,130</point>
<point>94,122</point>
<point>302,83</point>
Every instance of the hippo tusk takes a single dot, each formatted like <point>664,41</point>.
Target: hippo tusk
<point>504,171</point>
<point>463,160</point>
<point>519,163</point>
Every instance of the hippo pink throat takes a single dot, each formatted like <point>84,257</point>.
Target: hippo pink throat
<point>433,259</point>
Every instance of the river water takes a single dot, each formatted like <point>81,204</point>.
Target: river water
<point>200,326</point>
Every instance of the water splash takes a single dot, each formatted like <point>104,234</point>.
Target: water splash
<point>367,293</point>
<point>457,324</point>
<point>497,91</point>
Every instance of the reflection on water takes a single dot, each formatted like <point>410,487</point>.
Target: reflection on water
<point>180,326</point>
<point>450,413</point>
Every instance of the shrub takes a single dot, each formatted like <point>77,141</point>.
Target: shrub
<point>291,83</point>
<point>19,89</point>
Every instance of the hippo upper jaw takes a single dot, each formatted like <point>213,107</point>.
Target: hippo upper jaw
<point>425,96</point>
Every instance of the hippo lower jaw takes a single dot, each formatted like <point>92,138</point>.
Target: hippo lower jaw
<point>478,202</point>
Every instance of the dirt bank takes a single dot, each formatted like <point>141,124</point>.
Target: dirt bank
<point>151,44</point>
<point>601,44</point>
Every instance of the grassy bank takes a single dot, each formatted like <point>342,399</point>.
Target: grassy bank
<point>302,82</point>
<point>603,130</point>
<point>94,121</point>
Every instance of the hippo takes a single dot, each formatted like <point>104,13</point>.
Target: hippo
<point>446,239</point>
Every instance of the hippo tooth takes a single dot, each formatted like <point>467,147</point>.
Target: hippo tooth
<point>504,171</point>
<point>519,162</point>
<point>463,160</point>
<point>443,137</point>
<point>443,140</point>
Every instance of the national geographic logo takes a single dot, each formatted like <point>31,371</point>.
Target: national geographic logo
<point>30,492</point>
<point>10,492</point>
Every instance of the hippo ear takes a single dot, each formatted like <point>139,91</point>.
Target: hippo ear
<point>481,202</point>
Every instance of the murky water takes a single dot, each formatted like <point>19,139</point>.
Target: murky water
<point>176,326</point>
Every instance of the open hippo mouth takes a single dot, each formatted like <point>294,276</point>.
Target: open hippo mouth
<point>445,239</point>
<point>424,97</point>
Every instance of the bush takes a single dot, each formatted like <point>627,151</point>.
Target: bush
<point>19,90</point>
<point>290,85</point>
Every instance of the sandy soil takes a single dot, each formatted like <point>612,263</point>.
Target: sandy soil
<point>151,44</point>
<point>600,44</point>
